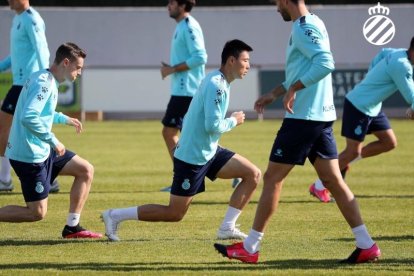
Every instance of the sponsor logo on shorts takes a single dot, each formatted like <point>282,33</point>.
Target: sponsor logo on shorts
<point>186,184</point>
<point>39,188</point>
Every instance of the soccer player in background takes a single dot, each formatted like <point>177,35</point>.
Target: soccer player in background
<point>29,53</point>
<point>306,132</point>
<point>198,154</point>
<point>37,156</point>
<point>188,57</point>
<point>390,70</point>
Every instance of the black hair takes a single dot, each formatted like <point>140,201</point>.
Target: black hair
<point>412,43</point>
<point>70,51</point>
<point>189,4</point>
<point>233,48</point>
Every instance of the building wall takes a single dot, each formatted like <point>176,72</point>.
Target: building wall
<point>126,45</point>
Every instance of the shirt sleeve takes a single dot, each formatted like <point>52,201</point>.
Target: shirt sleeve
<point>195,43</point>
<point>309,41</point>
<point>214,111</point>
<point>36,32</point>
<point>402,74</point>
<point>60,118</point>
<point>38,95</point>
<point>5,64</point>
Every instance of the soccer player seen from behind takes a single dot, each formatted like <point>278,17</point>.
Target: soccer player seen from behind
<point>306,132</point>
<point>188,57</point>
<point>35,153</point>
<point>390,70</point>
<point>198,154</point>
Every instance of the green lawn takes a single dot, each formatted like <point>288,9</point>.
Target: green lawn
<point>132,165</point>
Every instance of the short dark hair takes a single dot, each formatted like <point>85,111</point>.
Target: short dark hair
<point>412,43</point>
<point>233,48</point>
<point>189,4</point>
<point>70,51</point>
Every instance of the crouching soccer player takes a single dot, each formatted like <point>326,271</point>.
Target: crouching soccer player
<point>198,154</point>
<point>37,156</point>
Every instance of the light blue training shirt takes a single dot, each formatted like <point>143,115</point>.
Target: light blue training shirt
<point>29,51</point>
<point>309,59</point>
<point>205,121</point>
<point>31,133</point>
<point>187,46</point>
<point>390,71</point>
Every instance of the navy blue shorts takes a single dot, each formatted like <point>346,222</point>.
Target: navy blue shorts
<point>10,101</point>
<point>355,124</point>
<point>35,178</point>
<point>176,109</point>
<point>301,139</point>
<point>188,179</point>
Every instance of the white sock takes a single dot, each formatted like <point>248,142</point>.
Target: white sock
<point>73,219</point>
<point>252,242</point>
<point>229,221</point>
<point>356,159</point>
<point>5,173</point>
<point>130,213</point>
<point>319,185</point>
<point>363,239</point>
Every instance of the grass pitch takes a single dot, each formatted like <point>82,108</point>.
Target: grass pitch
<point>131,162</point>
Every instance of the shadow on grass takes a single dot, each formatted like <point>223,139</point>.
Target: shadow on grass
<point>385,196</point>
<point>403,238</point>
<point>230,266</point>
<point>50,242</point>
<point>253,202</point>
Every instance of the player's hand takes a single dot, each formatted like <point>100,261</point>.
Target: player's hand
<point>76,123</point>
<point>166,70</point>
<point>289,100</point>
<point>240,116</point>
<point>410,113</point>
<point>261,102</point>
<point>60,149</point>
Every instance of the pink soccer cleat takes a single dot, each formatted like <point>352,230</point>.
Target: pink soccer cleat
<point>322,195</point>
<point>78,232</point>
<point>237,251</point>
<point>363,255</point>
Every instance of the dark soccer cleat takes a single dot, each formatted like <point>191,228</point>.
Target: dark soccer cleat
<point>237,251</point>
<point>54,187</point>
<point>344,171</point>
<point>78,232</point>
<point>363,255</point>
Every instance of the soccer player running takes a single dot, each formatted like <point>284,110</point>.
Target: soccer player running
<point>390,70</point>
<point>306,132</point>
<point>29,53</point>
<point>37,156</point>
<point>198,154</point>
<point>188,57</point>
